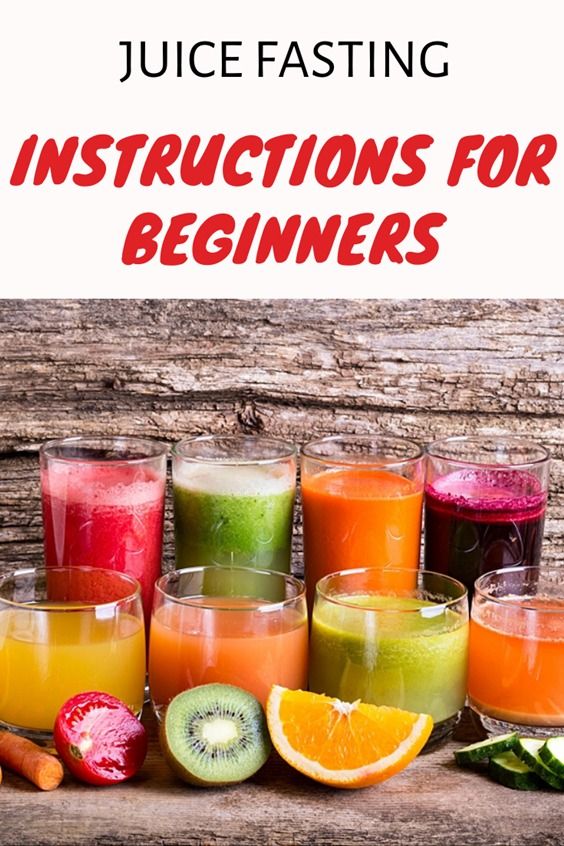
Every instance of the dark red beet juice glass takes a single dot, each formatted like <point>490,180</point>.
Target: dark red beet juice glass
<point>485,502</point>
<point>103,506</point>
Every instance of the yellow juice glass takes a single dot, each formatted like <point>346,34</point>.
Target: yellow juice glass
<point>65,631</point>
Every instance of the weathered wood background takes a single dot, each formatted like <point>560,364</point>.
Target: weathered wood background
<point>422,369</point>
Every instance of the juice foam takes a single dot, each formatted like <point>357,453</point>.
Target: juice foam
<point>500,494</point>
<point>234,479</point>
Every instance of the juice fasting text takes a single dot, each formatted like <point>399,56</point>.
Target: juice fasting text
<point>323,59</point>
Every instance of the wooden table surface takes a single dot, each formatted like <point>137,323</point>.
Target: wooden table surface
<point>431,802</point>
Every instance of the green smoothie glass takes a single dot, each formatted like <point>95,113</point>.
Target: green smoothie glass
<point>234,501</point>
<point>375,639</point>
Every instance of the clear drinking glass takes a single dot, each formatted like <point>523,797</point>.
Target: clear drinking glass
<point>392,637</point>
<point>362,498</point>
<point>63,631</point>
<point>516,672</point>
<point>103,505</point>
<point>485,502</point>
<point>233,501</point>
<point>231,625</point>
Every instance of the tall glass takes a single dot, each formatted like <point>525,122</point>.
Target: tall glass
<point>63,631</point>
<point>377,639</point>
<point>516,674</point>
<point>362,498</point>
<point>103,506</point>
<point>231,625</point>
<point>233,501</point>
<point>485,501</point>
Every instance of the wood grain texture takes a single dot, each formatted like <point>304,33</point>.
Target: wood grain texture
<point>432,802</point>
<point>421,369</point>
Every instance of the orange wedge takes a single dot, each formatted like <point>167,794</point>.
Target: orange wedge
<point>343,744</point>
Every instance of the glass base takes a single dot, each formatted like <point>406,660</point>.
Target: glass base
<point>158,711</point>
<point>42,737</point>
<point>441,732</point>
<point>495,726</point>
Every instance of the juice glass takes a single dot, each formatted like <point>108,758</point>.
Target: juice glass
<point>362,497</point>
<point>230,625</point>
<point>376,639</point>
<point>103,505</point>
<point>516,672</point>
<point>233,501</point>
<point>65,631</point>
<point>485,501</point>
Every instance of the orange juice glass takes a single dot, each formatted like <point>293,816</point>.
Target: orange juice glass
<point>234,625</point>
<point>516,677</point>
<point>65,631</point>
<point>362,498</point>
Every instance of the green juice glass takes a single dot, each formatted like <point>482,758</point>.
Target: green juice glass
<point>234,501</point>
<point>392,637</point>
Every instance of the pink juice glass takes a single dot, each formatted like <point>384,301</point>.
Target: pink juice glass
<point>103,506</point>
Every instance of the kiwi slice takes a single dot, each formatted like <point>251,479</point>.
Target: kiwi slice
<point>215,734</point>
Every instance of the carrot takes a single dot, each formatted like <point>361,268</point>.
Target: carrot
<point>29,760</point>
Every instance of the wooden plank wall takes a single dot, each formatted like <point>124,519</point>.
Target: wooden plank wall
<point>417,368</point>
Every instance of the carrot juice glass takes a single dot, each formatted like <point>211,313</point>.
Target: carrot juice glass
<point>63,631</point>
<point>231,625</point>
<point>516,672</point>
<point>392,637</point>
<point>362,497</point>
<point>103,506</point>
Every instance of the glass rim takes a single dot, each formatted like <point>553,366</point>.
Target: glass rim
<point>418,572</point>
<point>158,447</point>
<point>373,461</point>
<point>433,450</point>
<point>87,606</point>
<point>268,607</point>
<point>482,592</point>
<point>289,450</point>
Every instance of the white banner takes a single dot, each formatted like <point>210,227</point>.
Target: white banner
<point>300,149</point>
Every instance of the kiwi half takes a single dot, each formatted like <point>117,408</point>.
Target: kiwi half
<point>215,734</point>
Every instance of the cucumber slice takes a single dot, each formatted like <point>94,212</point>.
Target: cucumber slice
<point>507,769</point>
<point>485,749</point>
<point>527,749</point>
<point>552,754</point>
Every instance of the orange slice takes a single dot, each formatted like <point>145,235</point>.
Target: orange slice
<point>343,744</point>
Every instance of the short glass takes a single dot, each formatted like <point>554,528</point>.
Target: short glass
<point>233,501</point>
<point>485,502</point>
<point>516,669</point>
<point>375,639</point>
<point>231,625</point>
<point>362,498</point>
<point>65,631</point>
<point>103,506</point>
